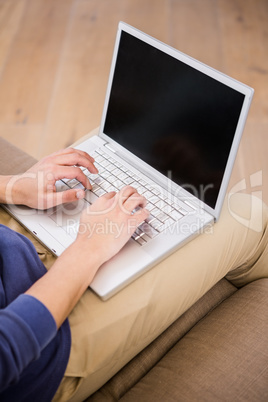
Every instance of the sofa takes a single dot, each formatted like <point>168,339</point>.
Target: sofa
<point>216,351</point>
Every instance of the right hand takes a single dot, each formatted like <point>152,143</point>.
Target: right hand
<point>110,221</point>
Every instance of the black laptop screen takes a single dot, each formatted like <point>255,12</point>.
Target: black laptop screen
<point>174,117</point>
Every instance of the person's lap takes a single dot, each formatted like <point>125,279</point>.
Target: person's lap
<point>106,335</point>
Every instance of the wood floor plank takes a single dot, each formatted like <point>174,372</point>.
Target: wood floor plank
<point>195,30</point>
<point>245,47</point>
<point>24,136</point>
<point>76,104</point>
<point>244,28</point>
<point>151,17</point>
<point>11,13</point>
<point>78,101</point>
<point>28,76</point>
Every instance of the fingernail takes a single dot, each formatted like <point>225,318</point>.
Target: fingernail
<point>80,194</point>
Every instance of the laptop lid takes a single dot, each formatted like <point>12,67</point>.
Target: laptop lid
<point>181,119</point>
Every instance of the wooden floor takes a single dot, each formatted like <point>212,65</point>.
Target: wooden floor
<point>55,57</point>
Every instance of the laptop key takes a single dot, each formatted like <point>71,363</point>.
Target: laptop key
<point>122,176</point>
<point>128,181</point>
<point>61,186</point>
<point>118,184</point>
<point>100,192</point>
<point>110,167</point>
<point>148,230</point>
<point>141,190</point>
<point>72,183</point>
<point>150,218</point>
<point>90,197</point>
<point>156,224</point>
<point>153,199</point>
<point>160,204</point>
<point>105,174</point>
<point>145,237</point>
<point>105,185</point>
<point>167,208</point>
<point>141,241</point>
<point>99,180</point>
<point>175,214</point>
<point>162,217</point>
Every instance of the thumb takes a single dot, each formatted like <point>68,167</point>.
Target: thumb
<point>65,196</point>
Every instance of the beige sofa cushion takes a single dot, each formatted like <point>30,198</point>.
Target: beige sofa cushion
<point>223,358</point>
<point>127,377</point>
<point>12,159</point>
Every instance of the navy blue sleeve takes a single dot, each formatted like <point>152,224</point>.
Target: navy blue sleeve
<point>33,354</point>
<point>26,328</point>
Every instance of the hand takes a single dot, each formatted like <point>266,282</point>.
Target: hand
<point>109,223</point>
<point>104,229</point>
<point>36,187</point>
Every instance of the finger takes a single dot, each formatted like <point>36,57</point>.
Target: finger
<point>125,193</point>
<point>83,154</point>
<point>63,197</point>
<point>104,204</point>
<point>72,172</point>
<point>141,215</point>
<point>109,195</point>
<point>108,200</point>
<point>102,200</point>
<point>76,159</point>
<point>71,150</point>
<point>134,201</point>
<point>79,160</point>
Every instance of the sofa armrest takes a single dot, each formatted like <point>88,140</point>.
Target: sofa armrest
<point>13,160</point>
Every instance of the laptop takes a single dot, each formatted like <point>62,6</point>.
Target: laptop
<point>171,128</point>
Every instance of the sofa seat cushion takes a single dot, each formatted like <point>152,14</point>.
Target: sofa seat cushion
<point>224,357</point>
<point>138,367</point>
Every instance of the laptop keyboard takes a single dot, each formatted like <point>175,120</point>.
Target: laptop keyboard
<point>113,176</point>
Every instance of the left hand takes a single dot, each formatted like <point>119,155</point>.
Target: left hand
<point>106,226</point>
<point>36,187</point>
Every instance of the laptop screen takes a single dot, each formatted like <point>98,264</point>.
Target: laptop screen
<point>177,119</point>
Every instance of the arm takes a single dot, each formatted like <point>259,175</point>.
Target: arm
<point>60,289</point>
<point>24,322</point>
<point>32,319</point>
<point>63,285</point>
<point>36,187</point>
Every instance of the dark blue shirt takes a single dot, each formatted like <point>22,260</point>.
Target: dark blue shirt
<point>33,354</point>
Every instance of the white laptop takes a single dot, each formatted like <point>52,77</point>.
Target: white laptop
<point>171,128</point>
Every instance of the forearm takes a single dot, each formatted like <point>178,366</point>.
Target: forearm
<point>4,189</point>
<point>13,190</point>
<point>63,285</point>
